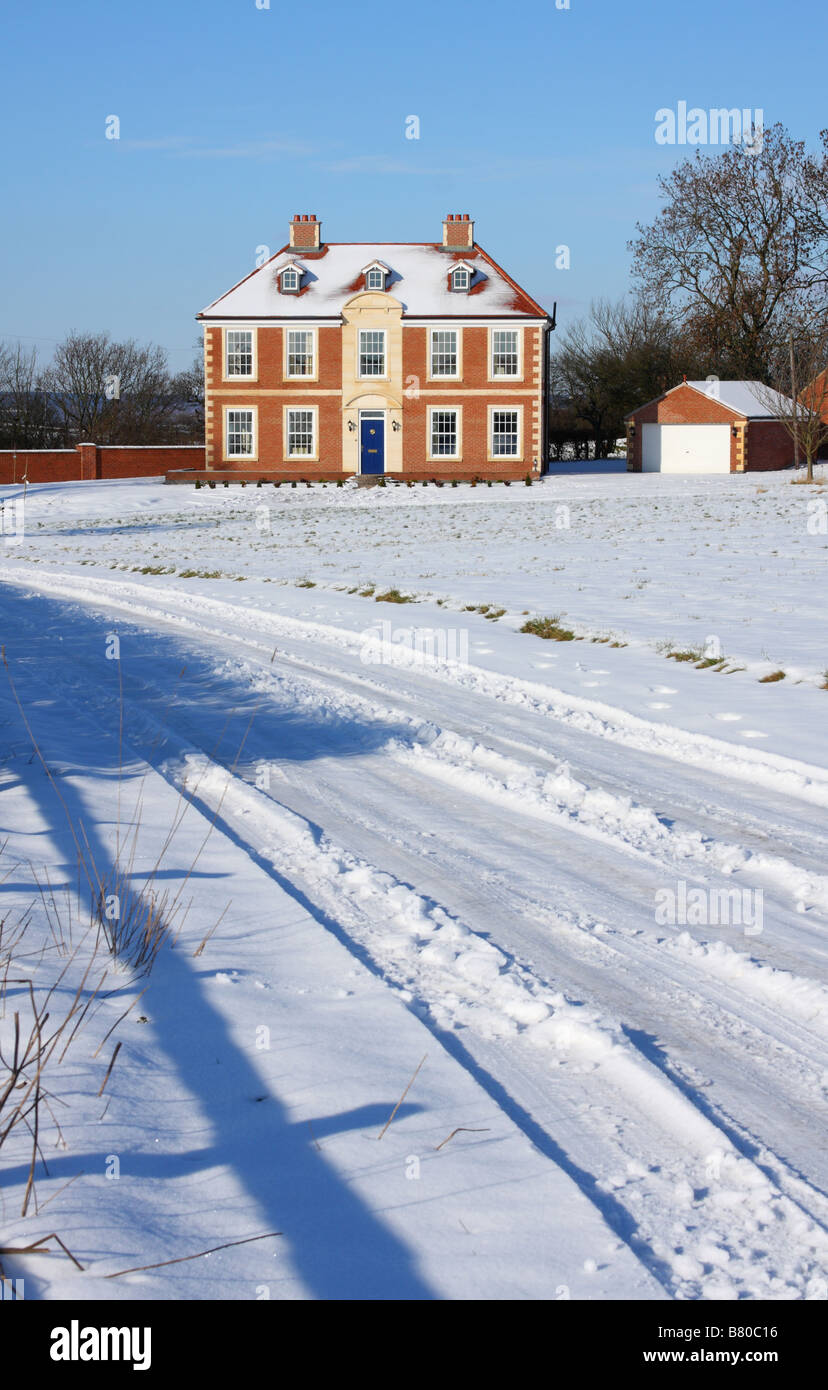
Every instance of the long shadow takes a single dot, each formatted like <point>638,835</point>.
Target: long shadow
<point>337,1246</point>
<point>130,527</point>
<point>617,1217</point>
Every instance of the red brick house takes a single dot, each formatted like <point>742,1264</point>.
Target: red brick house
<point>414,359</point>
<point>709,427</point>
<point>815,395</point>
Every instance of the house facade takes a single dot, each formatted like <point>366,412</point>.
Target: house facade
<point>411,359</point>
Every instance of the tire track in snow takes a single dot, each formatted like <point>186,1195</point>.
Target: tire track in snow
<point>806,781</point>
<point>563,799</point>
<point>807,888</point>
<point>461,979</point>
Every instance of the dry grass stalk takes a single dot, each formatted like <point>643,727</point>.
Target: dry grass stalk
<point>401,1099</point>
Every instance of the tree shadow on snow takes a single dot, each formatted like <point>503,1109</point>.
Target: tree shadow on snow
<point>336,1245</point>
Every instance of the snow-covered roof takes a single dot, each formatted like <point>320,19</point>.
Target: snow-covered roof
<point>418,278</point>
<point>749,398</point>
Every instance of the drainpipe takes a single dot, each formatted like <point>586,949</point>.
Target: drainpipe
<point>551,324</point>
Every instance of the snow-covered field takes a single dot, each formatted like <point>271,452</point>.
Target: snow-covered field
<point>581,885</point>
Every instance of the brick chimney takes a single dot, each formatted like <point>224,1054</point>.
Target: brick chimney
<point>458,232</point>
<point>305,232</point>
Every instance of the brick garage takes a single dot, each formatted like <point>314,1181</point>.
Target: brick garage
<point>702,427</point>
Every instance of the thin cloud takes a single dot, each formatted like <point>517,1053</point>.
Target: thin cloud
<point>379,164</point>
<point>187,147</point>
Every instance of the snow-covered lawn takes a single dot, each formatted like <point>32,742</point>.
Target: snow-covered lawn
<point>431,836</point>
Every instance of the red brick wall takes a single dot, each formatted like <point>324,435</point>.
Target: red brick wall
<point>270,377</point>
<point>474,439</point>
<point>39,465</point>
<point>97,461</point>
<point>475,413</point>
<point>270,436</point>
<point>769,445</point>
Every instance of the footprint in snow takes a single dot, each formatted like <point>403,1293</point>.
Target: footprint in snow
<point>663,690</point>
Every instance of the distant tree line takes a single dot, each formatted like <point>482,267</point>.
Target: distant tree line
<point>99,391</point>
<point>729,280</point>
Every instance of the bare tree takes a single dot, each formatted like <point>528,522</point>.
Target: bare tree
<point>815,200</point>
<point>797,395</point>
<point>111,393</point>
<point>605,365</point>
<point>28,419</point>
<point>739,249</point>
<point>187,388</point>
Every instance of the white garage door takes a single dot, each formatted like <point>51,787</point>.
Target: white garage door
<point>686,449</point>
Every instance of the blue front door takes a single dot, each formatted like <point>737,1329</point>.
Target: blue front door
<point>372,440</point>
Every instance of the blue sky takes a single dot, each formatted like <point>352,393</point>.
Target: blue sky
<point>537,121</point>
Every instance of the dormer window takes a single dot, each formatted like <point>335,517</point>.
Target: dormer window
<point>460,279</point>
<point>289,280</point>
<point>376,275</point>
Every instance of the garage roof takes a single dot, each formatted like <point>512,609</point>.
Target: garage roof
<point>749,398</point>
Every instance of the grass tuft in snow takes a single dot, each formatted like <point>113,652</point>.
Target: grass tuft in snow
<point>550,629</point>
<point>394,596</point>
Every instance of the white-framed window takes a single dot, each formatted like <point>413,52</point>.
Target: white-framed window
<point>375,279</point>
<point>505,352</point>
<point>240,433</point>
<point>505,432</point>
<point>460,279</point>
<point>444,432</point>
<point>372,352</point>
<point>300,356</point>
<point>444,352</point>
<point>290,280</point>
<point>238,352</point>
<point>300,432</point>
